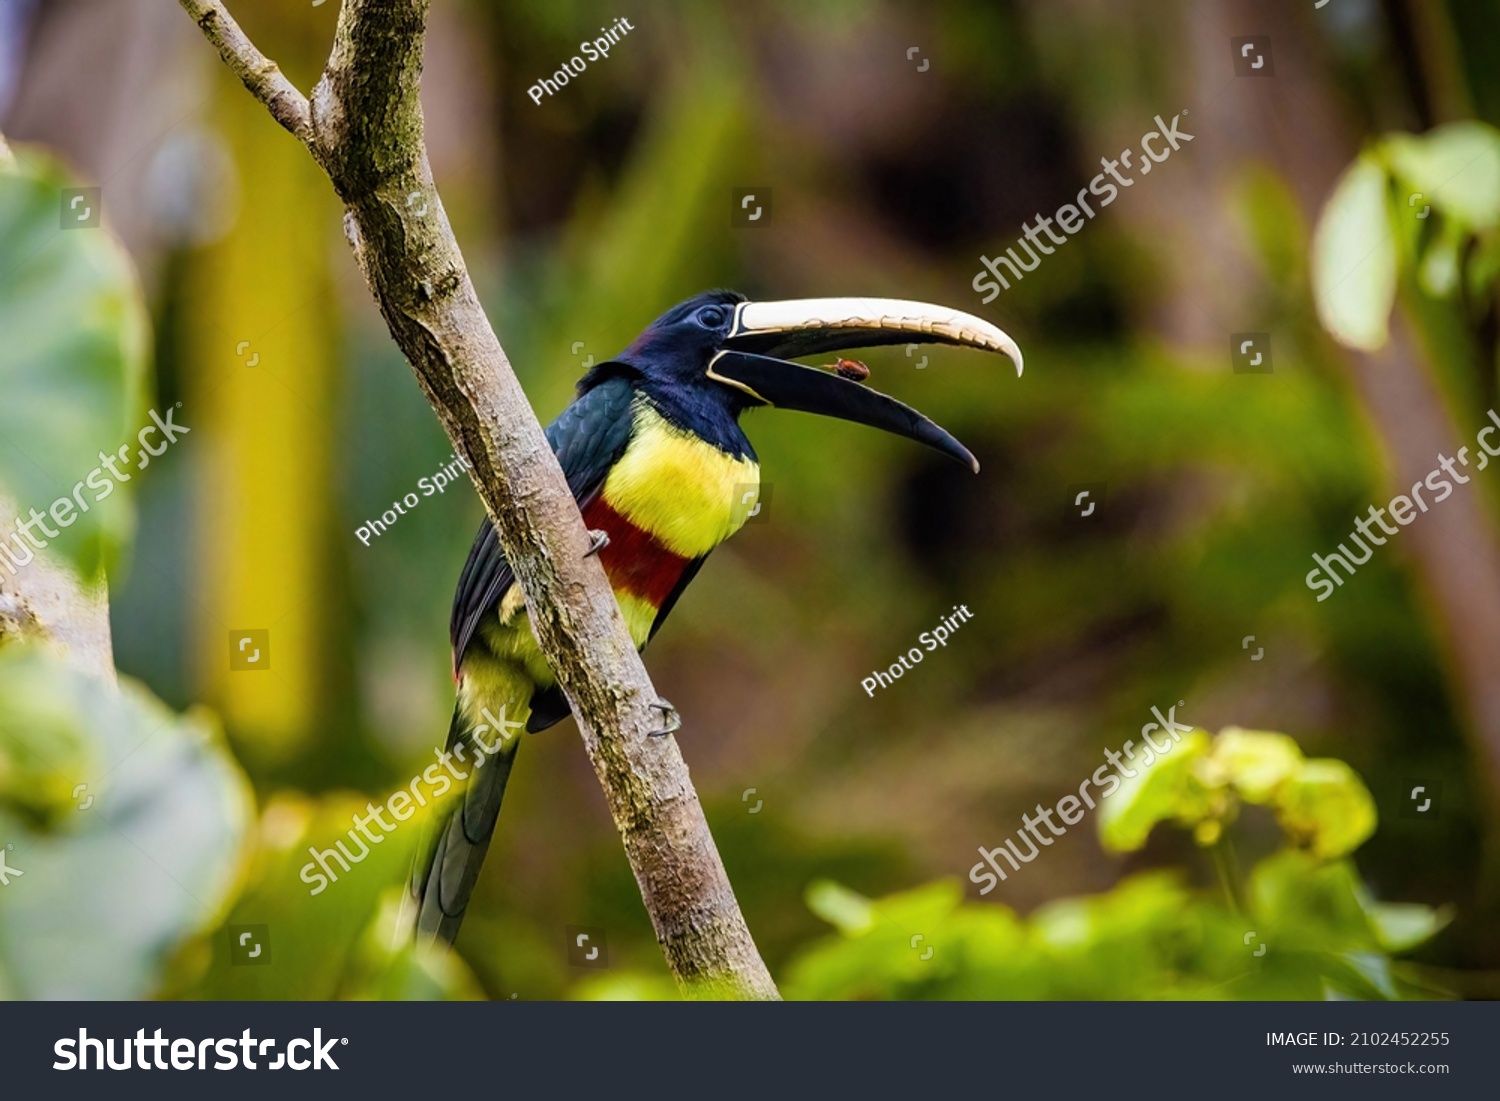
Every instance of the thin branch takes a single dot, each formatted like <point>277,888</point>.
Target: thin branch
<point>262,76</point>
<point>365,128</point>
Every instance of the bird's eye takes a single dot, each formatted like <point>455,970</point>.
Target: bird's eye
<point>711,316</point>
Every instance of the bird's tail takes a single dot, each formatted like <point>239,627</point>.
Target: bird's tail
<point>447,868</point>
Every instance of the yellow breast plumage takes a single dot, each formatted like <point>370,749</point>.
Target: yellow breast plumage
<point>679,488</point>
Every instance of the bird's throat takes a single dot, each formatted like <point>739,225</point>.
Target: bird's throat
<point>669,500</point>
<point>679,488</point>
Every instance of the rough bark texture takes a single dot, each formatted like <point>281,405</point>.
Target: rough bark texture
<point>364,126</point>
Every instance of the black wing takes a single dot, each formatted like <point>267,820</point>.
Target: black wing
<point>588,438</point>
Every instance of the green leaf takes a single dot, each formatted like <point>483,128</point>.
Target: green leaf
<point>45,753</point>
<point>319,941</point>
<point>390,965</point>
<point>1456,168</point>
<point>626,986</point>
<point>1302,903</point>
<point>1402,926</point>
<point>1371,968</point>
<point>1354,258</point>
<point>846,910</point>
<point>72,363</point>
<point>1168,790</point>
<point>116,873</point>
<point>1483,266</point>
<point>1256,762</point>
<point>1439,269</point>
<point>1327,806</point>
<point>1272,218</point>
<point>910,943</point>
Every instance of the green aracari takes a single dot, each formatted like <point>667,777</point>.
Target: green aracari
<point>662,472</point>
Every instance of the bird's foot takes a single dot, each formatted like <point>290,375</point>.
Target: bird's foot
<point>599,540</point>
<point>669,716</point>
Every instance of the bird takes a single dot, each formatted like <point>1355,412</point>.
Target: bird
<point>663,473</point>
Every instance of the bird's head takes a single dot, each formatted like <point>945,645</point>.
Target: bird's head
<point>737,355</point>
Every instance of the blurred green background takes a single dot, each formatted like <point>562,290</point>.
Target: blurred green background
<point>582,218</point>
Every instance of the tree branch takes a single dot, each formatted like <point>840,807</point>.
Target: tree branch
<point>262,76</point>
<point>365,128</point>
<point>45,600</point>
<point>1455,552</point>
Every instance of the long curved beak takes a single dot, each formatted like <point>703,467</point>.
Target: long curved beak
<point>754,358</point>
<point>811,326</point>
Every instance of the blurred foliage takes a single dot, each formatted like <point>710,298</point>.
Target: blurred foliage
<point>128,824</point>
<point>125,823</point>
<point>73,359</point>
<point>341,940</point>
<point>1321,804</point>
<point>1373,217</point>
<point>1309,927</point>
<point>1354,259</point>
<point>1310,933</point>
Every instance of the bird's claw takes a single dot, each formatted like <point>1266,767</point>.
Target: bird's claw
<point>670,716</point>
<point>598,541</point>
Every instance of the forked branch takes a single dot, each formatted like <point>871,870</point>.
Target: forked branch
<point>363,124</point>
